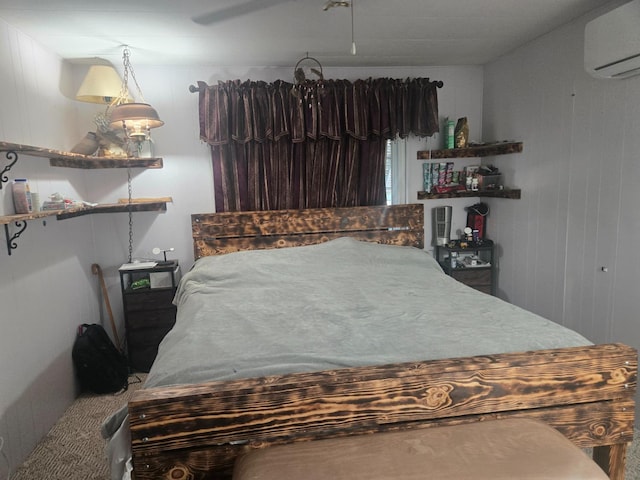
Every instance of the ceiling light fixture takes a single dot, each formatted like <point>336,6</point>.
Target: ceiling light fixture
<point>135,119</point>
<point>353,41</point>
<point>336,3</point>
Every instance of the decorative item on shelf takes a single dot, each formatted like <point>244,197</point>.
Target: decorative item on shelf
<point>110,144</point>
<point>461,133</point>
<point>134,119</point>
<point>88,145</point>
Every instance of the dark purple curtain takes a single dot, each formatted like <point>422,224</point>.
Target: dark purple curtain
<point>319,144</point>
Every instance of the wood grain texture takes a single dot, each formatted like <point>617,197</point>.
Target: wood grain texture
<point>58,158</point>
<point>488,150</point>
<point>219,233</point>
<point>512,193</point>
<point>197,431</point>
<point>141,206</point>
<point>138,205</point>
<point>91,163</point>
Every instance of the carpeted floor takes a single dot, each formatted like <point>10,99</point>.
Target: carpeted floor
<point>74,449</point>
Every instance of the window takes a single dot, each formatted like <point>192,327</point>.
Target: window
<point>394,172</point>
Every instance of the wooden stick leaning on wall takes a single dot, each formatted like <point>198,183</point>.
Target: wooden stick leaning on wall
<point>96,270</point>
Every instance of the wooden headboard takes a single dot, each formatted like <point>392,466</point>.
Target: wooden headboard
<point>219,233</point>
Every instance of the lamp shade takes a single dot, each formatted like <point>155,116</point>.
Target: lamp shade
<point>135,118</point>
<point>102,84</point>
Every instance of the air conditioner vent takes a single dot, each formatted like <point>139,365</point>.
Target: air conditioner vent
<point>612,43</point>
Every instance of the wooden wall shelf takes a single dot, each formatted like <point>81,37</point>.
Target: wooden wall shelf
<point>58,158</point>
<point>485,150</point>
<point>513,193</point>
<point>137,205</point>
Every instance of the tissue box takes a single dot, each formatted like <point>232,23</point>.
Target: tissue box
<point>489,182</point>
<point>163,279</point>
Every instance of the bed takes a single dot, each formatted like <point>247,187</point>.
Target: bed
<point>301,325</point>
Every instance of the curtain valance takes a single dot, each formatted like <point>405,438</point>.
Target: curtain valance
<point>241,112</point>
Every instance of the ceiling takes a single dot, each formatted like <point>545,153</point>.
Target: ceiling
<point>280,32</point>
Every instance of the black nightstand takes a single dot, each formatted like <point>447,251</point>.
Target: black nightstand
<point>147,294</point>
<point>472,263</point>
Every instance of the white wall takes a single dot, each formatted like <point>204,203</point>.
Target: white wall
<point>46,285</point>
<point>579,177</point>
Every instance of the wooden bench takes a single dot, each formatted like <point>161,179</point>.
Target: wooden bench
<point>495,449</point>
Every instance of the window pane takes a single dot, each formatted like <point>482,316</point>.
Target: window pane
<point>395,171</point>
<point>388,172</point>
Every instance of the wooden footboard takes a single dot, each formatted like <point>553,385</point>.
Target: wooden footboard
<point>197,431</point>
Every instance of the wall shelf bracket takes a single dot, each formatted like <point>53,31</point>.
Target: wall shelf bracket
<point>21,225</point>
<point>12,156</point>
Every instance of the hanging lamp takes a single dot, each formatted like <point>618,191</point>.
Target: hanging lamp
<point>135,119</point>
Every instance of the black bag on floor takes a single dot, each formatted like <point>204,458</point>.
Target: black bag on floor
<point>100,367</point>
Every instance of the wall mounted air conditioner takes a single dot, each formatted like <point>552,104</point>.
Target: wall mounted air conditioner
<point>612,43</point>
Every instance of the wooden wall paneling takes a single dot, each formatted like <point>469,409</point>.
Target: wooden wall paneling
<point>610,169</point>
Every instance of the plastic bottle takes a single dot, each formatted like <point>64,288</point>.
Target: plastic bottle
<point>450,133</point>
<point>21,196</point>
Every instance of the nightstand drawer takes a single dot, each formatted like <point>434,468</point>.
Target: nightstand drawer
<point>482,288</point>
<point>473,277</point>
<point>151,319</point>
<point>148,299</point>
<point>144,337</point>
<point>142,358</point>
